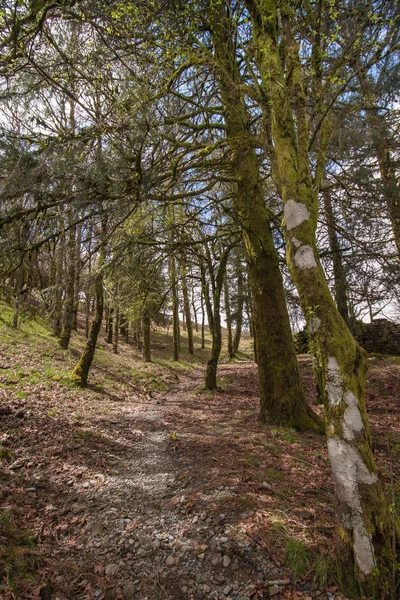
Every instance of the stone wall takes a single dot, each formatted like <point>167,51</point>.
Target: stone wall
<point>380,336</point>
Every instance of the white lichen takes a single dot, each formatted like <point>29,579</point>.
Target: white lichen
<point>353,420</point>
<point>304,258</point>
<point>314,323</point>
<point>347,433</point>
<point>349,471</point>
<point>296,242</point>
<point>350,399</point>
<point>353,423</point>
<point>295,213</point>
<point>334,391</point>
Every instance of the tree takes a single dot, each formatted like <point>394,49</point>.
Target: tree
<point>364,525</point>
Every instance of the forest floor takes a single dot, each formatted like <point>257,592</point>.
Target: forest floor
<point>143,486</point>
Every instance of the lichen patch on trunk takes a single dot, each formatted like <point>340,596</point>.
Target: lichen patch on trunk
<point>295,213</point>
<point>304,258</point>
<point>334,390</point>
<point>349,471</point>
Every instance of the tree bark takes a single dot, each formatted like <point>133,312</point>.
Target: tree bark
<point>363,522</point>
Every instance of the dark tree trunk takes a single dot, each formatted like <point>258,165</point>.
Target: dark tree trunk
<point>175,308</point>
<point>109,326</point>
<point>239,308</point>
<point>146,337</point>
<point>203,340</point>
<point>77,277</point>
<point>340,282</point>
<point>57,313</point>
<point>186,306</point>
<point>115,330</point>
<point>228,318</point>
<point>68,317</point>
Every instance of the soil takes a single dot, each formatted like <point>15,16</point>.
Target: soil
<point>177,494</point>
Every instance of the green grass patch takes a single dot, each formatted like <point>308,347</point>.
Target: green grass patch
<point>298,557</point>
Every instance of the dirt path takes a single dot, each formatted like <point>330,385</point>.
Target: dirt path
<point>181,495</point>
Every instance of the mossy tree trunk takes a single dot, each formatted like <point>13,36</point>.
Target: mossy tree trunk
<point>282,399</point>
<point>81,371</point>
<point>363,522</point>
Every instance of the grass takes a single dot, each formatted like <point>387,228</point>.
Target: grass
<point>17,557</point>
<point>298,557</point>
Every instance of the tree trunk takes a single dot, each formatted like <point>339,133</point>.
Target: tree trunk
<point>239,308</point>
<point>87,312</point>
<point>81,371</point>
<point>115,330</point>
<point>214,313</point>
<point>109,337</point>
<point>146,337</point>
<point>57,312</point>
<point>203,340</point>
<point>68,316</point>
<point>175,308</point>
<point>282,399</point>
<point>228,318</point>
<point>214,324</point>
<point>77,277</point>
<point>340,282</point>
<point>186,305</point>
<point>196,324</point>
<point>363,522</point>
